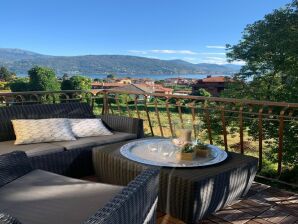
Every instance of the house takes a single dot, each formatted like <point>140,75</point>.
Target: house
<point>106,85</point>
<point>149,88</point>
<point>214,85</point>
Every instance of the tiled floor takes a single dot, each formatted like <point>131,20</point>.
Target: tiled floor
<point>262,205</point>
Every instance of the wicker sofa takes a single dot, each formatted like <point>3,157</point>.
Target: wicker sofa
<point>37,183</point>
<point>35,196</point>
<point>70,158</point>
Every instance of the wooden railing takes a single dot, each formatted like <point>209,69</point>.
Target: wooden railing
<point>217,118</point>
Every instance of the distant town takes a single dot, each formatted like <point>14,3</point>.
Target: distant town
<point>45,79</point>
<point>177,86</point>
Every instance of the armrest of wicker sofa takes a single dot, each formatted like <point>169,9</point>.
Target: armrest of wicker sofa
<point>124,124</point>
<point>135,204</point>
<point>12,166</point>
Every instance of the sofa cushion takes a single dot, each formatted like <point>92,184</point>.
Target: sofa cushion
<point>88,127</point>
<point>29,131</point>
<point>30,149</point>
<point>41,197</point>
<point>40,111</point>
<point>96,141</point>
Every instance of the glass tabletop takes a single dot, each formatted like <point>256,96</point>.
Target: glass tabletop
<point>162,152</point>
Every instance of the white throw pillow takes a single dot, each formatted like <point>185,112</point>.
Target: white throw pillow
<point>88,127</point>
<point>42,130</point>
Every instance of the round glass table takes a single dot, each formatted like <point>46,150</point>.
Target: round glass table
<point>162,152</point>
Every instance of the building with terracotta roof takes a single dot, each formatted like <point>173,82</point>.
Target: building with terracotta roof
<point>106,85</point>
<point>149,88</point>
<point>214,85</point>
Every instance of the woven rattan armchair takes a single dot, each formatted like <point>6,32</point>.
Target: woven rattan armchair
<point>136,203</point>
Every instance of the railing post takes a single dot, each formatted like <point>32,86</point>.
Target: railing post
<point>92,102</point>
<point>193,113</point>
<point>280,140</point>
<point>136,106</point>
<point>158,118</point>
<point>180,113</point>
<point>169,117</point>
<point>105,109</point>
<point>207,117</point>
<point>223,120</point>
<point>148,116</point>
<point>260,127</point>
<point>118,104</point>
<point>127,106</point>
<point>241,129</point>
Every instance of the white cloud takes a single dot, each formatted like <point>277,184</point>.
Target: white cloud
<point>221,61</point>
<point>216,46</point>
<point>212,53</point>
<point>182,52</point>
<point>158,51</point>
<point>188,55</point>
<point>173,52</point>
<point>238,62</point>
<point>215,60</point>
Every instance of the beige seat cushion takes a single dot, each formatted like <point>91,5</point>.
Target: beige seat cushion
<point>88,127</point>
<point>42,130</point>
<point>96,141</point>
<point>42,197</point>
<point>30,149</point>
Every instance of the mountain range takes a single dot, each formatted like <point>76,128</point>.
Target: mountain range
<point>20,61</point>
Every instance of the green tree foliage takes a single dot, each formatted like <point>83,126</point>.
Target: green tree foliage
<point>111,76</point>
<point>76,83</point>
<point>6,75</point>
<point>201,92</point>
<point>269,48</point>
<point>43,79</point>
<point>19,85</point>
<point>4,85</point>
<point>65,76</point>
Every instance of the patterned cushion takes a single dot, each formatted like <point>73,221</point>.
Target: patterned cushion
<point>42,130</point>
<point>88,127</point>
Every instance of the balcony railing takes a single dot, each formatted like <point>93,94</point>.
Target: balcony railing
<point>221,121</point>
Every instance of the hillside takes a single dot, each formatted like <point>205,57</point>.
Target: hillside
<point>20,61</point>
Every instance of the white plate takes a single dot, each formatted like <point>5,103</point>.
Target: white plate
<point>161,152</point>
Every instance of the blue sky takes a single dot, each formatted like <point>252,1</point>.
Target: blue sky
<point>192,30</point>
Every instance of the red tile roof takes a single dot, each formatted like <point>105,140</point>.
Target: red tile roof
<point>108,84</point>
<point>216,79</point>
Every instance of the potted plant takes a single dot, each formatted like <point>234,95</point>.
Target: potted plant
<point>187,153</point>
<point>202,149</point>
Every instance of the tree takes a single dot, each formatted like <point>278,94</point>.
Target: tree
<point>43,79</point>
<point>202,92</point>
<point>269,48</point>
<point>65,76</point>
<point>111,76</point>
<point>19,85</point>
<point>6,75</point>
<point>76,83</point>
<point>4,85</point>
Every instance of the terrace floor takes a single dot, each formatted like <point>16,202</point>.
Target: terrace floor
<point>262,205</point>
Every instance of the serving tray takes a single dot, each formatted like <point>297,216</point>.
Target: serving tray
<point>162,152</point>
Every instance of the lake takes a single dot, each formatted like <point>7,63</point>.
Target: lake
<point>155,77</point>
